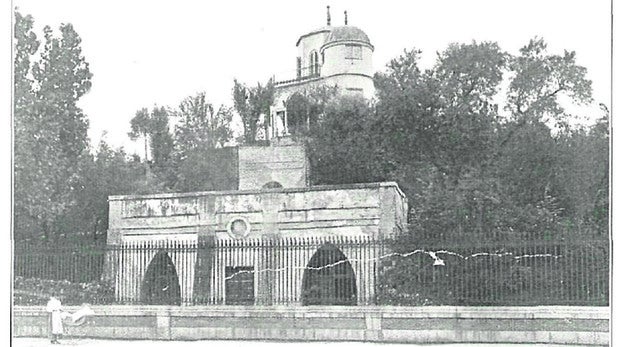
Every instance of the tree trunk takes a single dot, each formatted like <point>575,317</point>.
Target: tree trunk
<point>146,158</point>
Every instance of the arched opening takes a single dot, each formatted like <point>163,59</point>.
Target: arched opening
<point>161,283</point>
<point>272,185</point>
<point>329,285</point>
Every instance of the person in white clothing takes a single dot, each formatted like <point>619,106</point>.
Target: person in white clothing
<point>54,308</point>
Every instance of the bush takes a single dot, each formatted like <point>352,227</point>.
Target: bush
<point>531,271</point>
<point>36,291</point>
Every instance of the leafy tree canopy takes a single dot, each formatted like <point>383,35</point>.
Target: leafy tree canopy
<point>250,103</point>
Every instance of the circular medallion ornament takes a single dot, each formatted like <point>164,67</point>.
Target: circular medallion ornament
<point>238,227</point>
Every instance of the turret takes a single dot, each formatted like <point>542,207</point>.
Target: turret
<point>331,55</point>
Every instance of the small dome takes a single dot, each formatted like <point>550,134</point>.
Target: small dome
<point>347,33</point>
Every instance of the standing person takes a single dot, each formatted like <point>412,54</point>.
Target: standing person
<point>54,307</point>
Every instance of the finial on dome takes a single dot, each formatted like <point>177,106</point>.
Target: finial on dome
<point>329,18</point>
<point>346,20</point>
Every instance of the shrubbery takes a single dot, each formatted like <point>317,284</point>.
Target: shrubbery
<point>36,291</point>
<point>530,271</point>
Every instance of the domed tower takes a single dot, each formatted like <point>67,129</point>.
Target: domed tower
<point>338,56</point>
<point>346,58</point>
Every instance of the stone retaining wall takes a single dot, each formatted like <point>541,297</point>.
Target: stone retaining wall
<point>543,324</point>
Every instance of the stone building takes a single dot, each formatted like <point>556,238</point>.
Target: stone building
<point>339,56</point>
<point>268,218</point>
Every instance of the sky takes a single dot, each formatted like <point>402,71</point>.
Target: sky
<point>146,53</point>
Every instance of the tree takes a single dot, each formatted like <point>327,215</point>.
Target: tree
<point>26,45</point>
<point>582,174</point>
<point>466,77</point>
<point>600,211</point>
<point>527,154</point>
<point>112,174</point>
<point>200,161</point>
<point>306,107</point>
<point>63,78</point>
<point>26,175</point>
<point>140,127</point>
<point>250,103</point>
<point>200,126</point>
<point>161,139</point>
<point>185,160</point>
<point>109,172</point>
<point>463,166</point>
<point>446,115</point>
<point>406,101</point>
<point>473,176</point>
<point>51,143</point>
<point>208,170</point>
<point>153,126</point>
<point>539,79</point>
<point>348,145</point>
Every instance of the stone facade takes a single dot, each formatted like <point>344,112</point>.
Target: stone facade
<point>346,210</point>
<point>285,164</point>
<point>364,211</point>
<point>273,205</point>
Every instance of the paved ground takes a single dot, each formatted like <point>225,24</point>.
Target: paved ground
<point>28,342</point>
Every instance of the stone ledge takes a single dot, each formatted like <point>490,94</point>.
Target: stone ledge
<point>480,336</point>
<point>545,324</point>
<point>487,312</point>
<point>354,186</point>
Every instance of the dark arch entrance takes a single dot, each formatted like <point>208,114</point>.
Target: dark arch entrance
<point>333,285</point>
<point>272,185</point>
<point>161,283</point>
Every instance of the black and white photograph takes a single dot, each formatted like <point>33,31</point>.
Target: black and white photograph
<point>341,172</point>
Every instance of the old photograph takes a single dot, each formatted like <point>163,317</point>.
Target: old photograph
<point>334,171</point>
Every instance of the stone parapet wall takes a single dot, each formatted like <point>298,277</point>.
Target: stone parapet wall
<point>542,324</point>
<point>346,210</point>
<point>284,164</point>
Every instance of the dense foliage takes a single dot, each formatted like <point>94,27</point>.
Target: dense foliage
<point>510,268</point>
<point>469,159</point>
<point>250,103</point>
<point>478,165</point>
<point>51,144</point>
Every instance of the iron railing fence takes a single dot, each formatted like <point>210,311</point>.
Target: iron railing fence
<point>504,269</point>
<point>307,271</point>
<point>301,74</point>
<point>76,263</point>
<point>334,271</point>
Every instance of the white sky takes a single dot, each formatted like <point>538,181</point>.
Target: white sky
<point>143,53</point>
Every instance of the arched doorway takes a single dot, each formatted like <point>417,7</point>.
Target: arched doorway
<point>329,285</point>
<point>161,283</point>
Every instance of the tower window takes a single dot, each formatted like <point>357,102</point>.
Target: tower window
<point>314,63</point>
<point>353,51</point>
<point>298,67</point>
